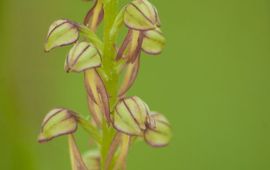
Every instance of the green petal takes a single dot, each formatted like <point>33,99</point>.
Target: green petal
<point>130,116</point>
<point>140,15</point>
<point>81,57</point>
<point>61,33</point>
<point>160,134</point>
<point>153,42</point>
<point>56,123</point>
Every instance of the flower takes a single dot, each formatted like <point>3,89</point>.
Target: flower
<point>133,117</point>
<point>81,57</point>
<point>142,20</point>
<point>130,116</point>
<point>56,123</point>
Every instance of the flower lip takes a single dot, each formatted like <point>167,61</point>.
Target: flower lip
<point>96,90</point>
<point>77,162</point>
<point>130,77</point>
<point>132,44</point>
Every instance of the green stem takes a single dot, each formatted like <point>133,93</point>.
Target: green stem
<point>91,37</point>
<point>90,129</point>
<point>109,68</point>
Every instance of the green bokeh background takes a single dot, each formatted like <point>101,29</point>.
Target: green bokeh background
<point>212,82</point>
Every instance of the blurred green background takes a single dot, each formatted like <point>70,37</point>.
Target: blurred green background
<point>212,82</point>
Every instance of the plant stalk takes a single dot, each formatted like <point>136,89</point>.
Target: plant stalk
<point>109,67</point>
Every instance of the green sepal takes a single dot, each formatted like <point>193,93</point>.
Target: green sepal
<point>81,57</point>
<point>56,123</point>
<point>153,42</point>
<point>141,15</point>
<point>158,134</point>
<point>61,33</point>
<point>130,116</point>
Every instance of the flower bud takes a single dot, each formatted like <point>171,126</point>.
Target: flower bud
<point>92,160</point>
<point>61,33</point>
<point>77,162</point>
<point>81,57</point>
<point>141,15</point>
<point>130,116</point>
<point>56,123</point>
<point>153,42</point>
<point>158,134</point>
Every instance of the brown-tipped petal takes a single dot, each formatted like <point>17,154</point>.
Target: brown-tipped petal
<point>92,159</point>
<point>75,156</point>
<point>124,148</point>
<point>96,111</point>
<point>114,146</point>
<point>61,33</point>
<point>131,47</point>
<point>121,51</point>
<point>94,16</point>
<point>57,122</point>
<point>81,57</point>
<point>153,42</point>
<point>140,15</point>
<point>138,50</point>
<point>131,73</point>
<point>160,134</point>
<point>130,116</point>
<point>132,50</point>
<point>97,92</point>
